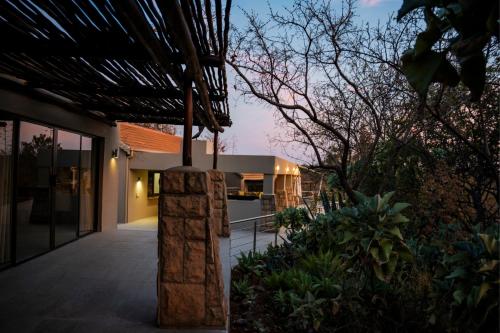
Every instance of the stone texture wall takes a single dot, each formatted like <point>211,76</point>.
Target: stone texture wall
<point>190,285</point>
<point>219,202</point>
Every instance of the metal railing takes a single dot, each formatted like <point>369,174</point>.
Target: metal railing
<point>253,234</point>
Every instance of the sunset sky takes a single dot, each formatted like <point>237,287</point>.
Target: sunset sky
<point>254,123</point>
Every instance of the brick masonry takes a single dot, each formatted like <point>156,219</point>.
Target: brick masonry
<point>190,286</point>
<point>219,203</point>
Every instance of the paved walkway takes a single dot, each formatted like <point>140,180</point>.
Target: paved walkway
<point>105,282</point>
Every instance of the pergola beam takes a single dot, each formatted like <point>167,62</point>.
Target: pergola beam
<point>187,142</point>
<point>105,49</point>
<point>139,91</point>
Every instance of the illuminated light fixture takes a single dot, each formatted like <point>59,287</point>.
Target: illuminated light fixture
<point>138,179</point>
<point>114,153</point>
<point>277,168</point>
<point>287,169</point>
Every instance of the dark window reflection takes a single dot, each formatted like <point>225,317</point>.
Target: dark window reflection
<point>66,187</point>
<point>87,186</point>
<point>33,193</point>
<point>6,132</point>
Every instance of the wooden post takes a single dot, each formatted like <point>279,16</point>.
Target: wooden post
<point>216,149</point>
<point>187,159</point>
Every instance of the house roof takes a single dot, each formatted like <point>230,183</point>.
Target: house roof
<point>145,139</point>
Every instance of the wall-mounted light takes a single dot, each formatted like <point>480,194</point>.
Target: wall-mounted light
<point>114,153</point>
<point>277,168</point>
<point>138,179</point>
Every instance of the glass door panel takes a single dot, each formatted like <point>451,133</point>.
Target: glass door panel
<point>33,190</point>
<point>6,134</point>
<point>66,187</point>
<point>87,187</point>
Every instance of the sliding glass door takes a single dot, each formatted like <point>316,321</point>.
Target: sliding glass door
<point>87,185</point>
<point>34,195</point>
<point>67,185</point>
<point>49,176</point>
<point>6,162</point>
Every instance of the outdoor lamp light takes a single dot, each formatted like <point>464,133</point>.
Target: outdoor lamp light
<point>114,153</point>
<point>138,179</point>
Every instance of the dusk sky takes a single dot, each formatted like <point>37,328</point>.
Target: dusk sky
<point>254,123</point>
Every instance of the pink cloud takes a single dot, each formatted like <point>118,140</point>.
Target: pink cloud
<point>370,3</point>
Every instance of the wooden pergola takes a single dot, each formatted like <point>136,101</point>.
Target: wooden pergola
<point>122,60</point>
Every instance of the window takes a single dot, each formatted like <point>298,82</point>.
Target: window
<point>153,184</point>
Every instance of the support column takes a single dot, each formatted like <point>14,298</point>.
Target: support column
<point>187,159</point>
<point>216,150</point>
<point>190,284</point>
<point>268,186</point>
<point>219,196</point>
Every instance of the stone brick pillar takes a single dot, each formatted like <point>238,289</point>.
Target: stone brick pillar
<point>190,284</point>
<point>219,196</point>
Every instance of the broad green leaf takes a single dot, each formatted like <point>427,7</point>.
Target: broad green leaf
<point>490,243</point>
<point>347,237</point>
<point>365,243</point>
<point>483,289</point>
<point>405,253</point>
<point>391,266</point>
<point>374,251</point>
<point>473,73</point>
<point>360,196</point>
<point>378,271</point>
<point>459,296</point>
<point>385,200</point>
<point>400,218</point>
<point>446,74</point>
<point>396,232</point>
<point>399,206</point>
<point>421,71</point>
<point>458,272</point>
<point>386,245</point>
<point>409,5</point>
<point>426,39</point>
<point>490,265</point>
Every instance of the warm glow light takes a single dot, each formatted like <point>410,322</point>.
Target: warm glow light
<point>138,187</point>
<point>277,168</point>
<point>112,164</point>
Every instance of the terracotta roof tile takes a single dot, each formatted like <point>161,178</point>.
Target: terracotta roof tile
<point>145,139</point>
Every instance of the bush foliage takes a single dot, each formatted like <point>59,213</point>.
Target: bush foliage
<point>361,268</point>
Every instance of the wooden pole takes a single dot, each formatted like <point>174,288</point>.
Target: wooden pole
<point>187,159</point>
<point>216,149</point>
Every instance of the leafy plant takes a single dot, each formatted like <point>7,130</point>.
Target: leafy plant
<point>473,273</point>
<point>465,28</point>
<point>370,233</point>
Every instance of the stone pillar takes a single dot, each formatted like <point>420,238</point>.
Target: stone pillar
<point>190,285</point>
<point>219,203</point>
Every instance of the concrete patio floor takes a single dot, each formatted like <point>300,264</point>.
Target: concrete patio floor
<point>105,282</point>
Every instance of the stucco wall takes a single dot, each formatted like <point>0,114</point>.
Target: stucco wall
<point>243,209</point>
<point>139,205</point>
<point>51,114</point>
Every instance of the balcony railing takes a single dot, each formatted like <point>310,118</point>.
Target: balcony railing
<point>253,234</point>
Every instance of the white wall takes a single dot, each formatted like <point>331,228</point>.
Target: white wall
<point>35,110</point>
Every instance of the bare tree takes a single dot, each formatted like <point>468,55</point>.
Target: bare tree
<point>338,85</point>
